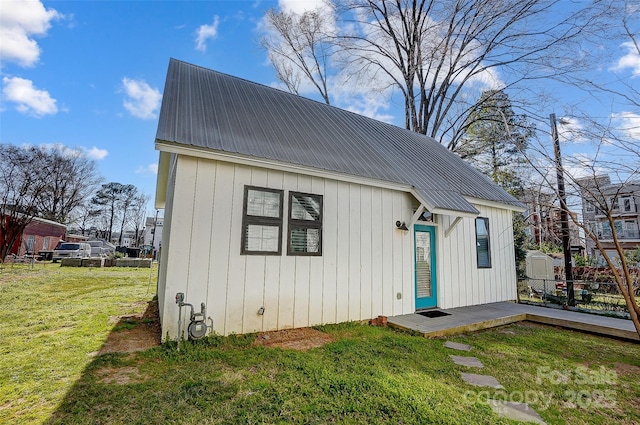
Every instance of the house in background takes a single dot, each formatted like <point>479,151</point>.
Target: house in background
<point>283,212</point>
<point>623,200</point>
<point>153,232</point>
<point>39,235</point>
<point>543,220</point>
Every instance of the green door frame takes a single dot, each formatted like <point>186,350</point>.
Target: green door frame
<point>432,301</point>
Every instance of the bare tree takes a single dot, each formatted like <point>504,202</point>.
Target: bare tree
<point>24,176</point>
<point>106,201</point>
<point>436,51</point>
<point>127,200</point>
<point>300,47</point>
<point>437,54</point>
<point>621,22</point>
<point>85,217</point>
<point>617,155</point>
<point>73,178</point>
<point>139,216</point>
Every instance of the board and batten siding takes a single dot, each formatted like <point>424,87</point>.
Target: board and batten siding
<point>366,267</point>
<point>460,281</point>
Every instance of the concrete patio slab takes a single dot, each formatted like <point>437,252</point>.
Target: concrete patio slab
<point>466,361</point>
<point>516,411</point>
<point>457,346</point>
<point>481,380</point>
<point>477,317</point>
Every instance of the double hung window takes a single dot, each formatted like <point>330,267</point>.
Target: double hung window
<point>262,221</point>
<point>305,224</point>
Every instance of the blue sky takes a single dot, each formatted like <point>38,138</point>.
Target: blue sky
<point>90,74</point>
<point>97,80</point>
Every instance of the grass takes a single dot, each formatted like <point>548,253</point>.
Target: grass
<point>53,319</point>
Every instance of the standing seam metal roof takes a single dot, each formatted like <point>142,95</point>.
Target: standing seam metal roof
<point>206,109</point>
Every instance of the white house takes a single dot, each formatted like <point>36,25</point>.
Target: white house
<point>283,212</point>
<point>153,232</point>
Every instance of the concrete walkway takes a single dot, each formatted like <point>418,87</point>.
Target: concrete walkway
<point>508,409</point>
<point>473,318</point>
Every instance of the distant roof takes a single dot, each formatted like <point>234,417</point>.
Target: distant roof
<point>206,109</point>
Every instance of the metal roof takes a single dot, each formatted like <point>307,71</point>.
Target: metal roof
<point>209,110</point>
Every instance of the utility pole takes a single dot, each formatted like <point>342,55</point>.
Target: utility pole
<point>153,235</point>
<point>564,215</point>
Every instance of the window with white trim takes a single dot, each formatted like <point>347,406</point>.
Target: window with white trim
<point>31,241</point>
<point>627,204</point>
<point>305,224</point>
<point>483,244</point>
<point>261,221</point>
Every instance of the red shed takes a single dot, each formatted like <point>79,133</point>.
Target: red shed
<point>39,235</point>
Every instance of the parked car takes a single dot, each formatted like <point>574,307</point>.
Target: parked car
<point>71,250</point>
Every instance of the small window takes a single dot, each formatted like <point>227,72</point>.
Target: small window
<point>262,221</point>
<point>45,244</point>
<point>305,224</point>
<point>614,204</point>
<point>590,207</point>
<point>31,240</point>
<point>483,246</point>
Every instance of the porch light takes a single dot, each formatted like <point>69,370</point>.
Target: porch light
<point>401,225</point>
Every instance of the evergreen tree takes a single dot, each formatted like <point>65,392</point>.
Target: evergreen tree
<point>496,139</point>
<point>495,143</point>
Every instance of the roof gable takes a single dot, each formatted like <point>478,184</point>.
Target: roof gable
<point>206,109</point>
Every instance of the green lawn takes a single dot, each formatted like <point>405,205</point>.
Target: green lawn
<point>53,320</point>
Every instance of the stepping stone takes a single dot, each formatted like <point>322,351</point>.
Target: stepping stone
<point>457,346</point>
<point>516,411</point>
<point>481,380</point>
<point>466,361</point>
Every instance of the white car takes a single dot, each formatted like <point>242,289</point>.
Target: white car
<point>71,250</point>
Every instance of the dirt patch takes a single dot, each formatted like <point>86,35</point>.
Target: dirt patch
<point>136,332</point>
<point>296,339</point>
<point>120,376</point>
<point>627,369</point>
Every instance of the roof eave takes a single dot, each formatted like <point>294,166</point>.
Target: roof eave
<point>162,180</point>
<point>520,207</point>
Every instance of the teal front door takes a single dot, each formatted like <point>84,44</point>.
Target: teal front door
<point>425,262</point>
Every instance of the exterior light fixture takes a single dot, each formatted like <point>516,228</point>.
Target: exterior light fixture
<point>401,225</point>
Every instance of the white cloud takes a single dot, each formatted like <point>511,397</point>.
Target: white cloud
<point>571,130</point>
<point>299,7</point>
<point>95,153</point>
<point>29,99</point>
<point>630,60</point>
<point>629,124</point>
<point>142,100</point>
<point>19,21</point>
<point>151,169</point>
<point>206,32</point>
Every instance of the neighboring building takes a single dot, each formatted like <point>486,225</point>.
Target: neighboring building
<point>153,232</point>
<point>128,239</point>
<point>538,217</point>
<point>283,212</point>
<point>544,223</point>
<point>599,198</point>
<point>39,235</point>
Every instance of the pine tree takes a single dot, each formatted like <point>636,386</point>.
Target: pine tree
<point>496,139</point>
